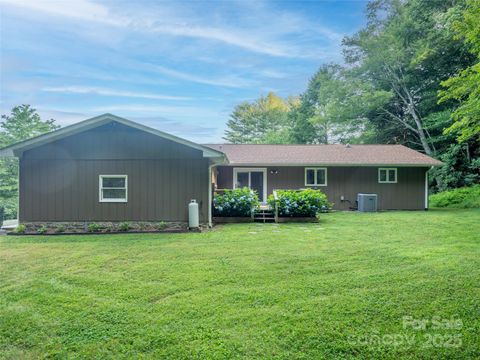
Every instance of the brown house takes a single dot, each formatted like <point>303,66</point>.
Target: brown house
<point>111,169</point>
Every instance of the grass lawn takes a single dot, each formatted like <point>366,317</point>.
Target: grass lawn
<point>338,289</point>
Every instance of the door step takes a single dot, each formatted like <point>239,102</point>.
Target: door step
<point>264,216</point>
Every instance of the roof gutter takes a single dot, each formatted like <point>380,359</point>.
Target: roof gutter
<point>329,165</point>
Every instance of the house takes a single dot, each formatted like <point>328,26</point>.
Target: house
<point>109,169</point>
<point>397,174</point>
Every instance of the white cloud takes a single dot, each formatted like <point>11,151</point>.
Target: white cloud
<point>161,110</point>
<point>261,38</point>
<point>62,118</point>
<point>110,92</point>
<point>273,74</point>
<point>77,9</point>
<point>229,81</point>
<point>242,40</point>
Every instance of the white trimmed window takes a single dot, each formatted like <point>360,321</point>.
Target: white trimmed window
<point>387,175</point>
<point>113,188</point>
<point>315,176</point>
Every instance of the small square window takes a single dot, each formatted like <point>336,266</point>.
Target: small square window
<point>113,188</point>
<point>387,175</point>
<point>315,177</point>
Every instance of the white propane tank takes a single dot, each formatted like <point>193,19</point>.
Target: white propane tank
<point>193,214</point>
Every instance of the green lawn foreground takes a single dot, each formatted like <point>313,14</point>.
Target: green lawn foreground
<point>342,288</point>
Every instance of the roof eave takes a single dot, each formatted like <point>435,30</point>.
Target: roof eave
<point>335,164</point>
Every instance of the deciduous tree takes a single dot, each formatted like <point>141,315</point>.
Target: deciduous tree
<point>22,123</point>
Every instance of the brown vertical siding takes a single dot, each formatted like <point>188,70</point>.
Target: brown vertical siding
<point>60,180</point>
<point>407,194</point>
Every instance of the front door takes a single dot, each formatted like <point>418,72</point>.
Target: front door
<point>255,179</point>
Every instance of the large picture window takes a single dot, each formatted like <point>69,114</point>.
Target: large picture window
<point>387,175</point>
<point>315,176</point>
<point>113,188</point>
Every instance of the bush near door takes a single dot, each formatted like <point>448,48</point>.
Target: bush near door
<point>295,203</point>
<point>235,203</point>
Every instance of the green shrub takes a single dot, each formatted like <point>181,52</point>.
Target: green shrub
<point>162,225</point>
<point>60,228</point>
<point>124,226</point>
<point>466,197</point>
<point>93,227</point>
<point>305,203</point>
<point>237,202</point>
<point>42,229</point>
<point>20,229</point>
<point>10,208</point>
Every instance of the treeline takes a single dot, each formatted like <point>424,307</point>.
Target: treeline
<point>411,76</point>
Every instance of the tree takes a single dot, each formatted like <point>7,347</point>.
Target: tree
<point>465,87</point>
<point>406,49</point>
<point>264,120</point>
<point>336,105</point>
<point>22,123</point>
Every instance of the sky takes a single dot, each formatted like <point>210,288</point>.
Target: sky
<point>180,67</point>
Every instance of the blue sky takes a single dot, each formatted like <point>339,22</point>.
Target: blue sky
<point>179,67</point>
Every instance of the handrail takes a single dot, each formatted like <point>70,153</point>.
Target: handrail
<point>275,197</point>
<point>220,190</point>
<point>252,210</point>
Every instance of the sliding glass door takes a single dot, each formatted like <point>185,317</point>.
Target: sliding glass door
<point>253,178</point>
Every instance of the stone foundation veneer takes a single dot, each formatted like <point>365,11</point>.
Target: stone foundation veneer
<point>104,226</point>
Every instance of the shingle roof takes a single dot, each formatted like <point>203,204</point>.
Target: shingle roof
<point>342,155</point>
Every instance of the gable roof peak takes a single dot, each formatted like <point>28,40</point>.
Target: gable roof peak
<point>91,123</point>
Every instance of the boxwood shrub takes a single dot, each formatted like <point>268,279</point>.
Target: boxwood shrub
<point>305,203</point>
<point>237,202</point>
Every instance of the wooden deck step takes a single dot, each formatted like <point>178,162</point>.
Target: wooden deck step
<point>264,215</point>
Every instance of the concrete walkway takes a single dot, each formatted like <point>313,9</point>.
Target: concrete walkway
<point>10,224</point>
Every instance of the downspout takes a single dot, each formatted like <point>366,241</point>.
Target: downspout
<point>222,160</point>
<point>426,188</point>
<point>18,189</point>
<point>210,167</point>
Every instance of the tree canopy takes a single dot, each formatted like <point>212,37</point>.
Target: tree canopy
<point>22,123</point>
<point>264,120</point>
<point>464,88</point>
